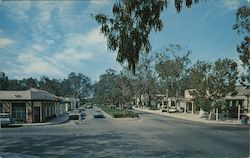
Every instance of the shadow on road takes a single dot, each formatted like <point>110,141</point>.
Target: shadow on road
<point>11,126</point>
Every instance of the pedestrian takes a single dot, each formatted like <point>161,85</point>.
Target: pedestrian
<point>80,119</point>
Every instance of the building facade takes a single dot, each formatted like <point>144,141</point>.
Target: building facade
<point>31,106</point>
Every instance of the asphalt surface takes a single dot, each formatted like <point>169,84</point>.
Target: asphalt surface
<point>150,136</point>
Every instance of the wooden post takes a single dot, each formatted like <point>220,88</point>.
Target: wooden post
<point>217,114</point>
<point>192,107</point>
<point>185,108</point>
<point>239,114</point>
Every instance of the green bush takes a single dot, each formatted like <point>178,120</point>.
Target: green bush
<point>118,113</point>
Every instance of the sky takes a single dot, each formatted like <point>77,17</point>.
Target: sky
<point>52,38</point>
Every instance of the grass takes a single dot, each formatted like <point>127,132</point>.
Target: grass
<point>118,113</point>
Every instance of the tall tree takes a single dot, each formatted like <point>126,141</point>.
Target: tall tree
<point>172,71</point>
<point>242,26</point>
<point>103,88</point>
<point>128,30</point>
<point>80,85</point>
<point>15,84</point>
<point>198,80</point>
<point>4,81</point>
<point>29,83</point>
<point>223,78</point>
<point>198,77</point>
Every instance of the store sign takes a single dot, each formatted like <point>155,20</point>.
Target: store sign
<point>18,96</point>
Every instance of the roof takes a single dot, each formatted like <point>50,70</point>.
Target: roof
<point>242,91</point>
<point>37,90</point>
<point>30,94</point>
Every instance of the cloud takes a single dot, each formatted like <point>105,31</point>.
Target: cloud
<point>72,55</point>
<point>31,64</point>
<point>37,47</point>
<point>18,10</point>
<point>5,42</point>
<point>99,2</point>
<point>55,38</point>
<point>92,38</point>
<point>232,4</point>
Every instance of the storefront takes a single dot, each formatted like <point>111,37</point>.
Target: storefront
<point>31,106</point>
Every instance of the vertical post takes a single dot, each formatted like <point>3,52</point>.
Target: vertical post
<point>239,114</point>
<point>192,107</point>
<point>185,108</point>
<point>217,114</point>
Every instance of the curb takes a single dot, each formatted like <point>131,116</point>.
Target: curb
<point>41,124</point>
<point>197,121</point>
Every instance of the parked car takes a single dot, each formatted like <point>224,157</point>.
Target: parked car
<point>75,114</point>
<point>81,109</point>
<point>89,106</point>
<point>98,114</point>
<point>172,109</point>
<point>6,119</point>
<point>164,110</point>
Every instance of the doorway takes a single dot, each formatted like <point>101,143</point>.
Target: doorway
<point>37,114</point>
<point>19,111</point>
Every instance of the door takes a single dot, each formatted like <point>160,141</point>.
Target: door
<point>36,114</point>
<point>19,111</point>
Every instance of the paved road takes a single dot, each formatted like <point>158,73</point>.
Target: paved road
<point>150,136</point>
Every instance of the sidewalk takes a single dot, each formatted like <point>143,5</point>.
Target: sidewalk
<point>58,120</point>
<point>189,117</point>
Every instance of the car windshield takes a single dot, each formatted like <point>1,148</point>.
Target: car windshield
<point>125,78</point>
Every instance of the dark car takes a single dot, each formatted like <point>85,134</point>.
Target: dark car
<point>76,114</point>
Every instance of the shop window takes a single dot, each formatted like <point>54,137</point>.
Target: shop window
<point>19,111</point>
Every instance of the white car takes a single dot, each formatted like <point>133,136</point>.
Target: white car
<point>98,114</point>
<point>172,109</point>
<point>5,119</point>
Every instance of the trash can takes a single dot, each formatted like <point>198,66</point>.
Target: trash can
<point>244,119</point>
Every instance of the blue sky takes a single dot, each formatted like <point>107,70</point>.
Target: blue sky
<point>56,38</point>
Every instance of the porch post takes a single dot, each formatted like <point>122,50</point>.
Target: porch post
<point>192,107</point>
<point>239,114</point>
<point>217,114</point>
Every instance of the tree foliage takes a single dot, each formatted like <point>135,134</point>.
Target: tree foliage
<point>128,30</point>
<point>223,78</point>
<point>4,81</point>
<point>198,77</point>
<point>76,85</point>
<point>172,71</point>
<point>242,26</point>
<point>113,88</point>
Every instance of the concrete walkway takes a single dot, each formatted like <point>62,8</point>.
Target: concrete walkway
<point>188,117</point>
<point>58,120</point>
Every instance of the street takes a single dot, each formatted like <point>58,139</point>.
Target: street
<point>150,136</point>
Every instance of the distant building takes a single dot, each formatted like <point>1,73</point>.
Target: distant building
<point>33,105</point>
<point>71,103</point>
<point>242,98</point>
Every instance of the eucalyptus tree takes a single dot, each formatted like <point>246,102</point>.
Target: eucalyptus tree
<point>128,29</point>
<point>4,81</point>
<point>242,26</point>
<point>222,79</point>
<point>28,83</point>
<point>104,87</point>
<point>50,85</point>
<point>79,85</point>
<point>198,80</point>
<point>172,70</point>
<point>198,76</point>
